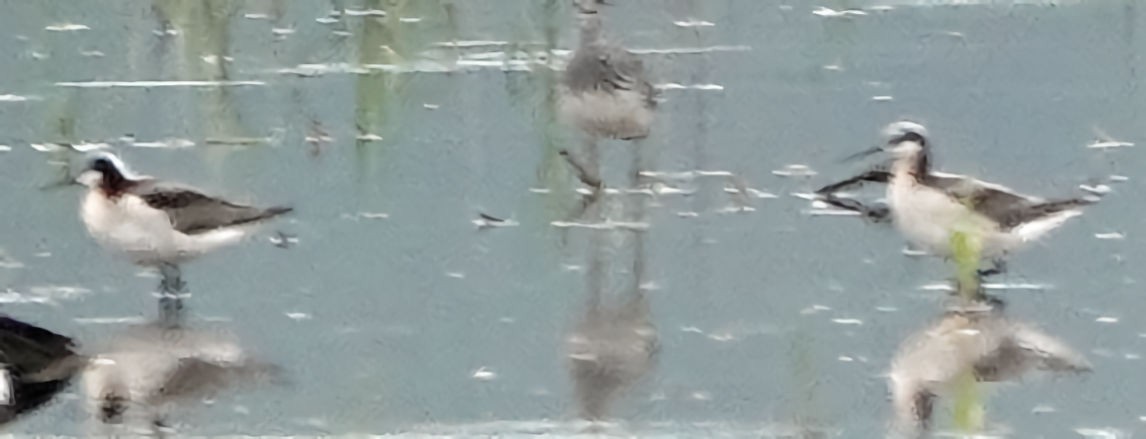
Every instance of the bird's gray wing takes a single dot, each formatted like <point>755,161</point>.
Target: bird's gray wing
<point>197,376</point>
<point>1051,353</point>
<point>998,203</point>
<point>625,71</point>
<point>191,212</point>
<point>611,69</point>
<point>193,376</point>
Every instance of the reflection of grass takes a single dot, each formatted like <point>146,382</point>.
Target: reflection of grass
<point>969,410</point>
<point>387,40</point>
<point>63,126</point>
<point>537,94</point>
<point>806,379</point>
<point>204,31</point>
<point>372,89</point>
<point>966,249</point>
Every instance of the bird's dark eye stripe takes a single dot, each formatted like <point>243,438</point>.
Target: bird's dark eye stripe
<point>909,136</point>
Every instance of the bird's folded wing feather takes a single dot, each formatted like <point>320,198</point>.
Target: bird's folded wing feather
<point>193,376</point>
<point>1052,354</point>
<point>191,211</point>
<point>621,70</point>
<point>28,348</point>
<point>993,201</point>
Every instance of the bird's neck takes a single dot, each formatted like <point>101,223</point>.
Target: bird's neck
<point>115,184</point>
<point>590,28</point>
<point>913,165</point>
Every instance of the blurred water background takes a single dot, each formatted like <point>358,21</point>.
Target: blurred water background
<point>393,313</point>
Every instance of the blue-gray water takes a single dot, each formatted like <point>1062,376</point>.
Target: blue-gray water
<point>769,319</point>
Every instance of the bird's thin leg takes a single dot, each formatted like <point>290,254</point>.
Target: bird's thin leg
<point>638,211</point>
<point>589,170</point>
<point>638,162</point>
<point>589,175</point>
<point>583,174</point>
<point>171,290</point>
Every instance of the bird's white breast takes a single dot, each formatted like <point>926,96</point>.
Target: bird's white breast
<point>928,217</point>
<point>127,225</point>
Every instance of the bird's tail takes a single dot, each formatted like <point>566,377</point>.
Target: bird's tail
<point>271,212</point>
<point>1056,206</point>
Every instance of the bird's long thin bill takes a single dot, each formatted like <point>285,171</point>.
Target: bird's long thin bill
<point>862,154</point>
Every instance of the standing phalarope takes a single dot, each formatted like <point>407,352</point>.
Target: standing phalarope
<point>927,206</point>
<point>159,224</point>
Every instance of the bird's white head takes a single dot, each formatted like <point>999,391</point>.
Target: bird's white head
<point>904,138</point>
<point>103,169</point>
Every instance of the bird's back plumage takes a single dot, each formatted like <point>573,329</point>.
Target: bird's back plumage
<point>192,212</point>
<point>606,90</point>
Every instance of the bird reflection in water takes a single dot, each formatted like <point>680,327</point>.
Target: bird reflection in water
<point>606,94</point>
<point>610,350</point>
<point>614,344</point>
<point>975,338</point>
<point>146,372</point>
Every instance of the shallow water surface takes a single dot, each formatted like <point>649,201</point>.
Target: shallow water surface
<point>394,312</point>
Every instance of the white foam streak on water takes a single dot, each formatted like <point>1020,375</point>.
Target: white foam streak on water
<point>364,12</point>
<point>473,43</point>
<point>17,98</point>
<point>939,3</point>
<point>676,86</point>
<point>483,223</point>
<point>693,23</point>
<point>693,50</point>
<point>795,170</point>
<point>755,193</point>
<point>828,12</point>
<point>943,286</point>
<point>515,61</point>
<point>1109,144</point>
<point>165,143</point>
<point>66,27</point>
<point>830,212</point>
<point>607,225</point>
<point>152,84</point>
<point>110,320</point>
<point>10,296</point>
